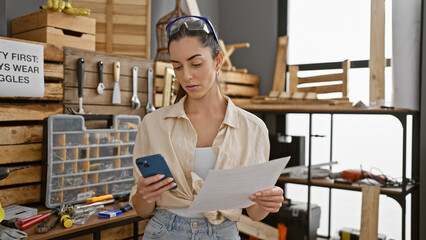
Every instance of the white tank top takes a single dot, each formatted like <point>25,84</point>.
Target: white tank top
<point>204,160</point>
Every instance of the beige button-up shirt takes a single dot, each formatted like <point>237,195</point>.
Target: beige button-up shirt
<point>242,140</point>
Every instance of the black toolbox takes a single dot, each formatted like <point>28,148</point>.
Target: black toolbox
<point>294,216</point>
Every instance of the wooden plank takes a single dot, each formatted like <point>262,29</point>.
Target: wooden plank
<point>131,20</point>
<point>369,212</point>
<point>27,175</point>
<point>193,7</point>
<point>322,89</point>
<point>115,109</point>
<point>120,232</point>
<point>377,61</point>
<point>131,39</point>
<point>91,97</point>
<point>240,78</point>
<point>52,91</point>
<point>20,153</point>
<point>129,49</point>
<point>257,229</point>
<point>53,71</point>
<point>160,68</point>
<point>280,65</point>
<point>108,21</point>
<point>91,81</point>
<point>239,90</point>
<point>52,52</point>
<point>129,9</point>
<point>92,1</point>
<point>122,28</point>
<point>133,2</point>
<point>99,17</point>
<point>92,58</point>
<point>159,85</point>
<point>21,134</point>
<point>239,101</point>
<point>95,7</point>
<point>20,195</point>
<point>321,78</point>
<point>148,30</point>
<point>131,54</point>
<point>142,225</point>
<point>294,80</point>
<point>28,112</point>
<point>346,65</point>
<point>158,100</point>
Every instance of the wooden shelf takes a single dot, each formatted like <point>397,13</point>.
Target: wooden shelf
<point>320,108</point>
<point>94,224</point>
<point>326,182</point>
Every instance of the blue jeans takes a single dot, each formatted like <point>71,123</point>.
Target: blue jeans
<point>167,225</point>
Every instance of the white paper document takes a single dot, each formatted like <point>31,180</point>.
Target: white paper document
<point>230,188</point>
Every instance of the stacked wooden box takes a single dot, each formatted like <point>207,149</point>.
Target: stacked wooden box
<point>57,28</point>
<point>21,132</point>
<point>160,72</point>
<point>122,26</point>
<point>240,87</point>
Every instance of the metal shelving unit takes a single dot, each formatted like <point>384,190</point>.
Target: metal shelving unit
<point>399,194</point>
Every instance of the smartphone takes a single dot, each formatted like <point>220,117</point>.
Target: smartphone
<point>153,165</point>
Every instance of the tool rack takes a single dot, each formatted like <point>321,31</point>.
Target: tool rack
<point>81,163</point>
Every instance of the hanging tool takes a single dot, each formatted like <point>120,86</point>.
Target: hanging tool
<point>149,105</point>
<point>101,85</point>
<point>116,96</point>
<point>135,100</point>
<point>4,172</point>
<point>80,79</point>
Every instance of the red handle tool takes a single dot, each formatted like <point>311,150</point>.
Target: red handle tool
<point>28,222</point>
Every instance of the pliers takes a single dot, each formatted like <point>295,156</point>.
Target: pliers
<point>43,228</point>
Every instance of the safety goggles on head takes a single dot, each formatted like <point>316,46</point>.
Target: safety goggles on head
<point>192,23</point>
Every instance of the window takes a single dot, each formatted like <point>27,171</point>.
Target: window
<point>332,31</point>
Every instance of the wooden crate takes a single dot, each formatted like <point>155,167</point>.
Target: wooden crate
<point>240,87</point>
<point>122,26</point>
<point>102,104</point>
<point>21,131</point>
<point>56,28</point>
<point>159,72</point>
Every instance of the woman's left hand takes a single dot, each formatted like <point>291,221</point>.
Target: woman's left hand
<point>269,200</point>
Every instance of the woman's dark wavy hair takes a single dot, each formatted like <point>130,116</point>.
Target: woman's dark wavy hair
<point>206,40</point>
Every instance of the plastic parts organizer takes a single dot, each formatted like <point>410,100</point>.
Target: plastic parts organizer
<point>81,163</point>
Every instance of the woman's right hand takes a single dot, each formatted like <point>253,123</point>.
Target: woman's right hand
<point>152,188</point>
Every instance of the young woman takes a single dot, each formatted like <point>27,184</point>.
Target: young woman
<point>203,130</point>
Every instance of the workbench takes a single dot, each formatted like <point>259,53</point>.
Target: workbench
<point>132,226</point>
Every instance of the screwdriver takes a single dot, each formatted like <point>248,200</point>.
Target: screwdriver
<point>4,172</point>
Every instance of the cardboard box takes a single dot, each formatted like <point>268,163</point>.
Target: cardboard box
<point>56,28</point>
